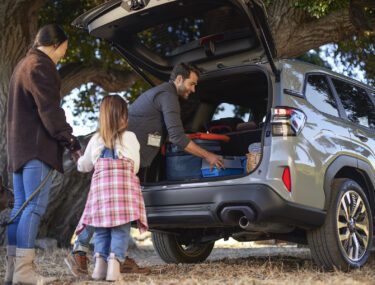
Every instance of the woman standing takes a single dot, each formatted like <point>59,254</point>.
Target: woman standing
<point>37,133</point>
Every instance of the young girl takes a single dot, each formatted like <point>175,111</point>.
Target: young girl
<point>115,198</point>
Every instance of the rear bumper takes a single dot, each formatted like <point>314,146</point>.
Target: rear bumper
<point>201,207</point>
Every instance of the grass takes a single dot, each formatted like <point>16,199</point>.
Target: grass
<point>233,263</point>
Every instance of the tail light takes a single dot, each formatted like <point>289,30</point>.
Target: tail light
<point>287,121</point>
<point>287,179</point>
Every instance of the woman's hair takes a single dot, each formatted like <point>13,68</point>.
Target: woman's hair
<point>113,119</point>
<point>50,35</point>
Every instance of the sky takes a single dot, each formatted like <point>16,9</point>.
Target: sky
<point>81,126</point>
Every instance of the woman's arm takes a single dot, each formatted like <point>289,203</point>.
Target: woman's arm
<point>45,89</point>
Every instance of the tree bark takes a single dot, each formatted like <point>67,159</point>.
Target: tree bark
<point>295,32</point>
<point>73,75</point>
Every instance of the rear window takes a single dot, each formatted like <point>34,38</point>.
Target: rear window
<point>319,95</point>
<point>225,110</point>
<point>357,104</point>
<point>175,36</point>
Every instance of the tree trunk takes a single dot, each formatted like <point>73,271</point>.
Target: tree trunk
<point>74,75</point>
<point>296,32</point>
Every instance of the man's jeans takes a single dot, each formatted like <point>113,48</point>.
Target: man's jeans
<point>116,240</point>
<point>23,231</point>
<point>82,242</point>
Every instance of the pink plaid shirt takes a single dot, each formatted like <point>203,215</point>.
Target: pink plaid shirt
<point>115,196</point>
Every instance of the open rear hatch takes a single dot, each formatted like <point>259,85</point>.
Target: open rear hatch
<point>154,35</point>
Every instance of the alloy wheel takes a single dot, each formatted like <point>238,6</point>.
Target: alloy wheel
<point>353,226</point>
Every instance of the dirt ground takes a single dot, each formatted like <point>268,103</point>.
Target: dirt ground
<point>230,263</point>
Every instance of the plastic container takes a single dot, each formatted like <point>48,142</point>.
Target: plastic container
<point>181,165</point>
<point>234,165</point>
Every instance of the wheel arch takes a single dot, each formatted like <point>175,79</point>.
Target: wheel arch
<point>350,167</point>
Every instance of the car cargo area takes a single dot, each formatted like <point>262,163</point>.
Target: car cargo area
<point>225,116</point>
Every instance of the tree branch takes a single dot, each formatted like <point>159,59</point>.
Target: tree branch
<point>295,32</point>
<point>73,75</point>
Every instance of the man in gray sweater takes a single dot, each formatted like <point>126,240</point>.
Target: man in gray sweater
<point>156,114</point>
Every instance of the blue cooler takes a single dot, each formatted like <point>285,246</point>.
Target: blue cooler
<point>234,165</point>
<point>181,165</point>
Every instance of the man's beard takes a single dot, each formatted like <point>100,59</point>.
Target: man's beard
<point>182,91</point>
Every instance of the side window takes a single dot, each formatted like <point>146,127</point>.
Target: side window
<point>320,96</point>
<point>225,110</point>
<point>356,102</point>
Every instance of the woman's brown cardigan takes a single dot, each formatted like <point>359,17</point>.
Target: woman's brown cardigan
<point>36,123</point>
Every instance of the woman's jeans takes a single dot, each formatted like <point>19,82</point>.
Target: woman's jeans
<point>112,240</point>
<point>23,231</point>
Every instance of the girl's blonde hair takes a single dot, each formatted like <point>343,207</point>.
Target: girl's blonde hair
<point>113,119</point>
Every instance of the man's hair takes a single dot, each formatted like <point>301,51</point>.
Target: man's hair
<point>184,69</point>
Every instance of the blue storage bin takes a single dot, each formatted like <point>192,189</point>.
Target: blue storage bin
<point>234,165</point>
<point>223,172</point>
<point>181,165</point>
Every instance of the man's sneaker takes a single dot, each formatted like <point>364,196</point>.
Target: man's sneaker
<point>77,263</point>
<point>130,266</point>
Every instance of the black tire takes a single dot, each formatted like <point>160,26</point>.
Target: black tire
<point>172,251</point>
<point>345,239</point>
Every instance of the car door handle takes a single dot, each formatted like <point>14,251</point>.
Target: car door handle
<point>361,136</point>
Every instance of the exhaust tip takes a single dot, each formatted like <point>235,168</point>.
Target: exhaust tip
<point>243,222</point>
<point>231,215</point>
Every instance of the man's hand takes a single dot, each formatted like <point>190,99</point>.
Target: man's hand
<point>215,161</point>
<point>75,155</point>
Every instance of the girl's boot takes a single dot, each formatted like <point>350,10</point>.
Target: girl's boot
<point>113,272</point>
<point>100,269</point>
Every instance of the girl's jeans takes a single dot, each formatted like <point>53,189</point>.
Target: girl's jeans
<point>23,231</point>
<point>112,240</point>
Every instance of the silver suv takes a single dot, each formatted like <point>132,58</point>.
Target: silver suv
<point>314,182</point>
